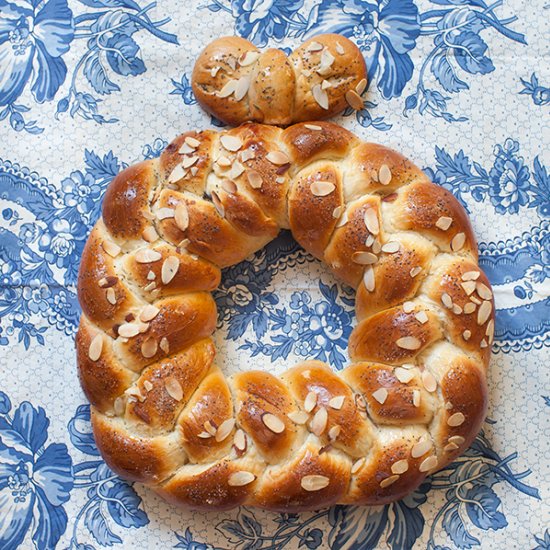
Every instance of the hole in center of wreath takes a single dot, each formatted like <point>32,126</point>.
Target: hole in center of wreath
<point>281,307</point>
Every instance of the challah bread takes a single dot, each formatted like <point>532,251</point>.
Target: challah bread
<point>164,414</point>
<point>238,83</point>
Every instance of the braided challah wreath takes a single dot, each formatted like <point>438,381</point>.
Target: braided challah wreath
<point>162,411</point>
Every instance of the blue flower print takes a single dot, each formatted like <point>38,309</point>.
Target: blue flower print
<point>509,179</point>
<point>312,538</point>
<point>35,481</point>
<point>539,94</point>
<point>37,295</point>
<point>186,542</point>
<point>386,31</point>
<point>261,20</point>
<point>33,38</point>
<point>81,191</point>
<point>543,543</point>
<point>184,90</point>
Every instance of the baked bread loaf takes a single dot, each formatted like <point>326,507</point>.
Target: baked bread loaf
<point>164,414</point>
<point>238,83</point>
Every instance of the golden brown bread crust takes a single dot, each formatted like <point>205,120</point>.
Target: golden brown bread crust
<point>164,414</point>
<point>238,83</point>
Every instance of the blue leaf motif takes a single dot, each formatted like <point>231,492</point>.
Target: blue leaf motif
<point>32,424</point>
<point>122,55</point>
<point>445,74</point>
<point>469,51</point>
<point>357,528</point>
<point>96,523</point>
<point>82,440</point>
<point>130,4</point>
<point>52,521</point>
<point>454,526</point>
<point>123,505</point>
<point>97,76</point>
<point>482,508</point>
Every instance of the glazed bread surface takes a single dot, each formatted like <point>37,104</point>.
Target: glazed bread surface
<point>237,82</point>
<point>164,414</point>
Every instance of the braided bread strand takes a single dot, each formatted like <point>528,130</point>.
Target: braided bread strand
<point>238,83</point>
<point>164,414</point>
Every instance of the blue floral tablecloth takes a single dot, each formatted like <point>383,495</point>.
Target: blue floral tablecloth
<point>462,87</point>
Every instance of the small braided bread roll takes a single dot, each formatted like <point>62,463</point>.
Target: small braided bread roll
<point>164,414</point>
<point>237,83</point>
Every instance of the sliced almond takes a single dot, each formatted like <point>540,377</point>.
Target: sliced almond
<point>416,398</point>
<point>187,162</point>
<point>319,421</point>
<point>277,157</point>
<point>177,174</point>
<point>457,439</point>
<point>165,213</point>
<point>111,248</point>
<point>119,405</point>
<point>181,216</point>
<point>456,419</point>
<point>314,482</point>
<point>415,271</point>
<point>400,467</point>
<point>337,402</point>
<point>483,291</point>
<point>240,479</point>
<point>470,307</point>
<point>314,47</point>
<point>310,401</point>
<point>128,330</point>
<point>230,142</point>
<point>313,127</point>
<point>236,170</point>
<point>96,346</point>
<point>149,348</point>
<point>403,375</point>
<point>421,448</point>
<point>408,342</point>
<point>228,88</point>
<point>320,96</point>
<point>443,223</point>
<point>371,221</point>
<point>164,344</point>
<point>150,234</point>
<point>229,186</point>
<point>334,432</point>
<point>450,447</point>
<point>429,381</point>
<point>214,71</point>
<point>384,174</point>
<point>471,275</point>
<point>391,247</point>
<point>458,242</point>
<point>173,388</point>
<point>248,58</point>
<point>225,428</point>
<point>364,258</point>
<point>467,334</point>
<point>428,464</point>
<point>110,294</point>
<point>148,313</point>
<point>368,278</point>
<point>192,142</point>
<point>388,481</point>
<point>298,417</point>
<point>327,59</point>
<point>223,161</point>
<point>218,205</point>
<point>447,300</point>
<point>147,255</point>
<point>421,317</point>
<point>355,101</point>
<point>361,86</point>
<point>484,312</point>
<point>274,423</point>
<point>210,427</point>
<point>468,287</point>
<point>169,269</point>
<point>322,188</point>
<point>204,435</point>
<point>240,440</point>
<point>254,179</point>
<point>339,49</point>
<point>381,394</point>
<point>242,86</point>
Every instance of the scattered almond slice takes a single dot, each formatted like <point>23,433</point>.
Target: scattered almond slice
<point>320,96</point>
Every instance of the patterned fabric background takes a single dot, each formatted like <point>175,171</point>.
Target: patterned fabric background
<point>462,87</point>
